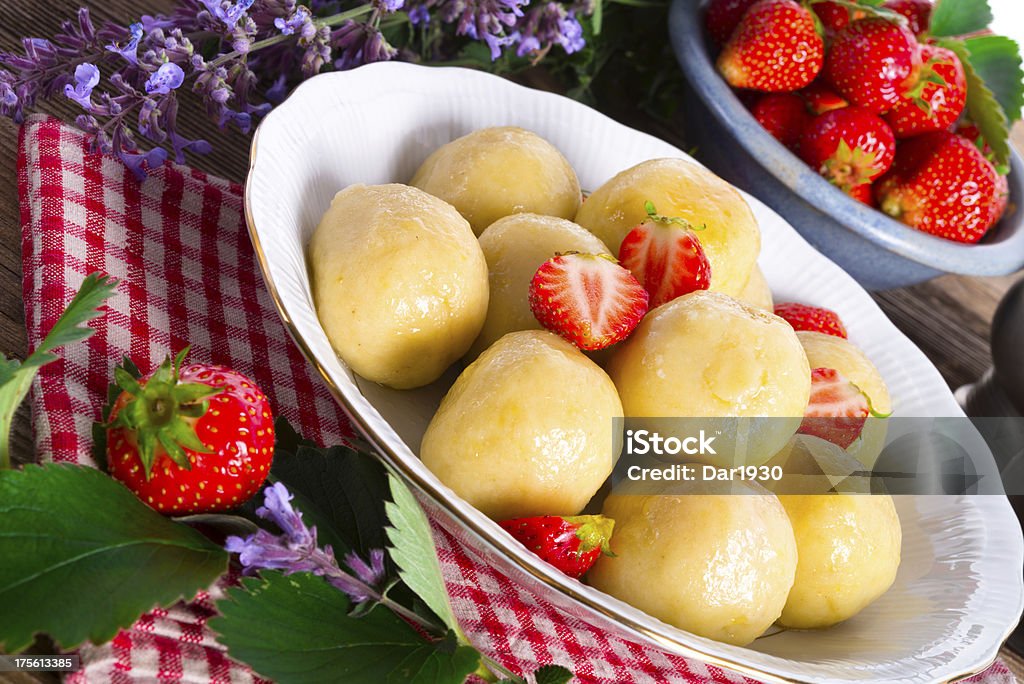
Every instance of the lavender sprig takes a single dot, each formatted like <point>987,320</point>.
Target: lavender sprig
<point>296,550</point>
<point>239,56</point>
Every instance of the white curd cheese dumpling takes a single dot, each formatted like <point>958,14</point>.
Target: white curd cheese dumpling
<point>515,247</point>
<point>399,283</point>
<point>757,293</point>
<point>707,355</point>
<point>527,429</point>
<point>731,237</point>
<point>495,172</point>
<point>849,551</point>
<point>829,351</point>
<point>719,565</point>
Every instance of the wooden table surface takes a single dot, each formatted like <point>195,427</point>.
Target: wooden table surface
<point>948,317</point>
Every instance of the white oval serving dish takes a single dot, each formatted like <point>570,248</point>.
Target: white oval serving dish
<point>959,591</point>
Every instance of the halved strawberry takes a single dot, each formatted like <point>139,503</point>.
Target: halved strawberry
<point>837,410</point>
<point>665,256</point>
<point>570,544</point>
<point>811,318</point>
<point>589,299</point>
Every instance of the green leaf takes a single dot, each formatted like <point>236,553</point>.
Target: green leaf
<point>597,17</point>
<point>99,428</point>
<point>16,379</point>
<point>412,550</point>
<point>552,674</point>
<point>959,17</point>
<point>83,557</point>
<point>295,629</point>
<point>997,61</point>
<point>982,106</point>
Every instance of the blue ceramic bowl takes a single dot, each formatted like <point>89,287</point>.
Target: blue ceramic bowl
<point>877,250</point>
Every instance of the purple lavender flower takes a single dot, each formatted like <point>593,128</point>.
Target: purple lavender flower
<point>137,163</point>
<point>87,77</point>
<point>357,43</point>
<point>301,23</point>
<point>317,51</point>
<point>296,550</point>
<point>484,20</point>
<point>228,12</point>
<point>419,15</point>
<point>168,77</point>
<point>546,25</point>
<point>388,6</point>
<point>130,50</point>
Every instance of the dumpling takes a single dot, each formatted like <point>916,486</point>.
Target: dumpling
<point>495,172</point>
<point>399,283</point>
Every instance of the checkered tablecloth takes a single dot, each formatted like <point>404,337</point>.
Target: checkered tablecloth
<point>178,244</point>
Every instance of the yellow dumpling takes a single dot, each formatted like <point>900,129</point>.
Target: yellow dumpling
<point>526,429</point>
<point>757,293</point>
<point>849,551</point>
<point>719,565</point>
<point>515,247</point>
<point>495,172</point>
<point>399,283</point>
<point>731,237</point>
<point>707,355</point>
<point>829,351</point>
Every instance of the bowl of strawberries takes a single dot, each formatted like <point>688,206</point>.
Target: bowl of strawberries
<point>879,130</point>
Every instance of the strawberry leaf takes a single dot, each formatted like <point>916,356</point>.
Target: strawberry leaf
<point>297,629</point>
<point>959,17</point>
<point>413,552</point>
<point>552,674</point>
<point>982,106</point>
<point>997,61</point>
<point>83,557</point>
<point>16,378</point>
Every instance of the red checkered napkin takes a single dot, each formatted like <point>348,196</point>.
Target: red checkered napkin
<point>178,244</point>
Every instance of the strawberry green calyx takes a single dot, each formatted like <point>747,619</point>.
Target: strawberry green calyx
<point>850,167</point>
<point>161,413</point>
<point>594,531</point>
<point>927,75</point>
<point>653,215</point>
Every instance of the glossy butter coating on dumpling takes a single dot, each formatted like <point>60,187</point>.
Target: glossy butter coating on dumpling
<point>731,237</point>
<point>399,283</point>
<point>515,247</point>
<point>527,429</point>
<point>495,172</point>
<point>707,355</point>
<point>719,565</point>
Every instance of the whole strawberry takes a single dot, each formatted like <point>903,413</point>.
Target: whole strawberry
<point>775,48</point>
<point>666,257</point>
<point>589,299</point>
<point>811,318</point>
<point>819,98</point>
<point>849,146</point>
<point>969,130</point>
<point>917,12</point>
<point>784,115</point>
<point>837,410</point>
<point>190,439</point>
<point>834,17</point>
<point>935,98</point>
<point>571,544</point>
<point>723,16</point>
<point>870,62</point>
<point>942,184</point>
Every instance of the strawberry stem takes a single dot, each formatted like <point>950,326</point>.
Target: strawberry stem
<point>653,215</point>
<point>161,413</point>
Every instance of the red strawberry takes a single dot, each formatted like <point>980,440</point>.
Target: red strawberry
<point>848,146</point>
<point>570,544</point>
<point>942,184</point>
<point>969,130</point>
<point>935,99</point>
<point>723,16</point>
<point>820,98</point>
<point>775,48</point>
<point>666,257</point>
<point>863,193</point>
<point>870,62</point>
<point>190,439</point>
<point>837,410</point>
<point>917,12</point>
<point>834,16</point>
<point>588,299</point>
<point>784,115</point>
<point>811,318</point>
